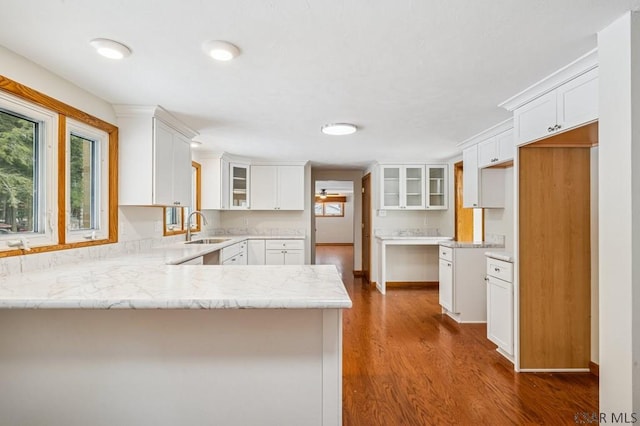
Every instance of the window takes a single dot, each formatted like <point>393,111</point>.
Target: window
<point>330,205</point>
<point>329,209</point>
<point>58,174</point>
<point>87,182</point>
<point>175,218</point>
<point>26,178</point>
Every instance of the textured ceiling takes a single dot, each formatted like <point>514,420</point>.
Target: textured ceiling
<point>416,76</point>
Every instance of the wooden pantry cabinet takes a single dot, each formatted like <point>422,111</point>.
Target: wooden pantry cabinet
<point>554,256</point>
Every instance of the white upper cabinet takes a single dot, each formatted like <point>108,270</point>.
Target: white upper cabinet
<point>402,187</point>
<point>239,186</point>
<point>570,105</point>
<point>496,150</point>
<point>481,188</point>
<point>436,187</point>
<point>470,193</point>
<point>154,157</point>
<point>215,183</point>
<point>277,187</point>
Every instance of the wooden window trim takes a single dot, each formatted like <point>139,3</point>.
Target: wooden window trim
<point>65,111</point>
<point>198,189</point>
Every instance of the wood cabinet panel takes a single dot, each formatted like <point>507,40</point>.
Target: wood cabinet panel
<point>555,257</point>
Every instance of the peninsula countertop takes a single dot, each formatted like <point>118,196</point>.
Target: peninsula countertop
<point>151,280</point>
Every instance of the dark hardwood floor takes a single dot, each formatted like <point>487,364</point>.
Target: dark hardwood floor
<point>406,364</point>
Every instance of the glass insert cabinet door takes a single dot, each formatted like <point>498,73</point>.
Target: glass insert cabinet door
<point>414,187</point>
<point>436,187</point>
<point>239,181</point>
<point>391,186</point>
<point>403,187</point>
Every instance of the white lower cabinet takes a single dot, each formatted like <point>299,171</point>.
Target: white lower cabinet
<point>445,274</point>
<point>235,254</point>
<point>462,292</point>
<point>256,252</point>
<point>284,252</point>
<point>500,305</point>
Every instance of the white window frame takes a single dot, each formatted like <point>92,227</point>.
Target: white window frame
<point>47,212</point>
<point>101,230</point>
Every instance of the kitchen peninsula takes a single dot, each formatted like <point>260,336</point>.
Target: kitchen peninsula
<point>136,340</point>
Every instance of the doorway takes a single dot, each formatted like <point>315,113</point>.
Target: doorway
<point>463,216</point>
<point>334,212</point>
<point>366,227</point>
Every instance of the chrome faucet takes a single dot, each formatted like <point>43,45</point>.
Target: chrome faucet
<point>204,220</point>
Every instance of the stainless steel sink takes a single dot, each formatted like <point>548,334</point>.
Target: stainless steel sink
<point>208,241</point>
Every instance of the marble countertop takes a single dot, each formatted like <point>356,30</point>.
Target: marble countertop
<point>152,280</point>
<point>177,253</point>
<point>459,244</point>
<point>417,239</point>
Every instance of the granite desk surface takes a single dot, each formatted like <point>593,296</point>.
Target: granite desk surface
<point>151,279</point>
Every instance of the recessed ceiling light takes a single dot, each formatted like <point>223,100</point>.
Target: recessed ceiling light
<point>339,129</point>
<point>220,50</point>
<point>110,49</point>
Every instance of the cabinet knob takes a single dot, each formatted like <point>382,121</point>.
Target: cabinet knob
<point>558,127</point>
<point>496,269</point>
<point>550,129</point>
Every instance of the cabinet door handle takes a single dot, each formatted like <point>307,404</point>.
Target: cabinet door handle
<point>496,269</point>
<point>550,129</point>
<point>558,127</point>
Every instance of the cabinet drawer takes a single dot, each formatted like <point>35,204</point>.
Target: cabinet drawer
<point>500,269</point>
<point>284,244</point>
<point>446,253</point>
<point>230,251</point>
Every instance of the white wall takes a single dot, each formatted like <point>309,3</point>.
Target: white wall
<point>619,214</point>
<point>338,229</point>
<point>595,312</point>
<point>500,221</point>
<point>34,76</point>
<point>344,175</point>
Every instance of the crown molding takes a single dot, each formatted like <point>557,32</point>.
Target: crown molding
<point>583,64</point>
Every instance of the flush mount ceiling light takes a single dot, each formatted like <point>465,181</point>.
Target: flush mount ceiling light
<point>196,144</point>
<point>109,48</point>
<point>220,50</point>
<point>339,129</point>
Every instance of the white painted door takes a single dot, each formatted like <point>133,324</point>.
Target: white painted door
<point>264,187</point>
<point>536,119</point>
<point>290,188</point>
<point>505,146</point>
<point>500,313</point>
<point>182,170</point>
<point>445,274</point>
<point>470,182</point>
<point>163,164</point>
<point>274,257</point>
<point>239,183</point>
<point>390,185</point>
<point>578,100</point>
<point>414,188</point>
<point>487,152</point>
<point>256,252</point>
<point>436,187</point>
<point>294,257</point>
